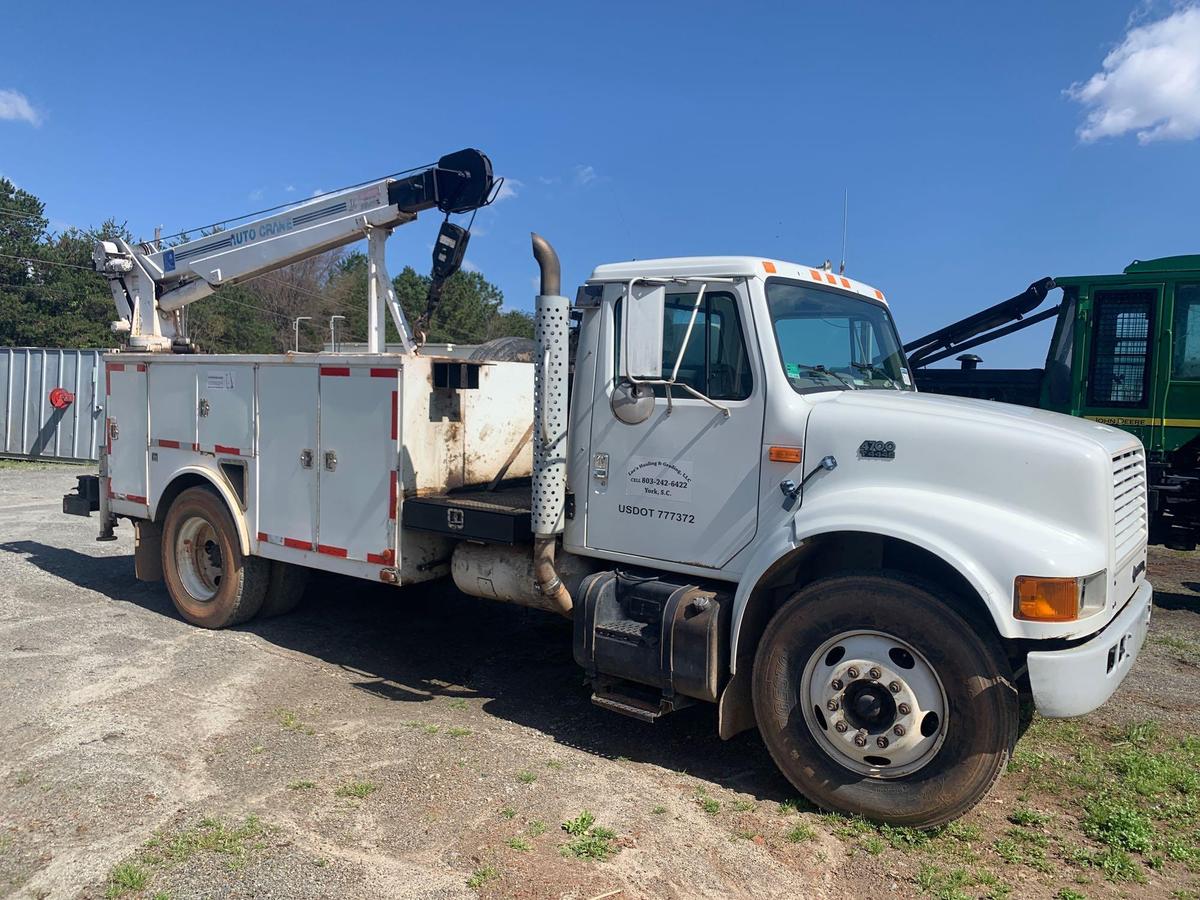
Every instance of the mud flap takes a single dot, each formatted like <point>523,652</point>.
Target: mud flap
<point>147,550</point>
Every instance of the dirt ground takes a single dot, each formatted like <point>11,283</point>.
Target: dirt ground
<point>419,743</point>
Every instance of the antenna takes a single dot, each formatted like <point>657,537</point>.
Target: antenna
<point>845,222</point>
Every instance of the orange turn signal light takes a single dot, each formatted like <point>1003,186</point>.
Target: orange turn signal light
<point>1048,599</point>
<point>769,267</point>
<point>786,454</point>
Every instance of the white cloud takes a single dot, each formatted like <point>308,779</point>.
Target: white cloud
<point>1149,84</point>
<point>15,107</point>
<point>468,266</point>
<point>585,174</point>
<point>551,179</point>
<point>255,195</point>
<point>509,188</point>
<point>316,193</point>
<point>290,189</point>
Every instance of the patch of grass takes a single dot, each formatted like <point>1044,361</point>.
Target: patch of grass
<point>482,876</point>
<point>455,731</point>
<point>508,812</point>
<point>658,810</point>
<point>518,843</point>
<point>798,834</point>
<point>526,777</point>
<point>1026,817</point>
<point>1185,650</point>
<point>431,729</point>
<point>212,836</point>
<point>537,828</point>
<point>707,803</point>
<point>873,844</point>
<point>937,882</point>
<point>907,838</point>
<point>1069,894</point>
<point>320,862</point>
<point>457,703</point>
<point>1117,865</point>
<point>742,805</point>
<point>302,785</point>
<point>358,789</point>
<point>257,748</point>
<point>795,805</point>
<point>125,878</point>
<point>588,840</point>
<point>289,721</point>
<point>1117,823</point>
<point>553,764</point>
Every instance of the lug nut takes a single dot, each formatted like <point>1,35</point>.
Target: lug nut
<point>832,705</point>
<point>860,740</point>
<point>841,727</point>
<point>881,742</point>
<point>837,684</point>
<point>852,671</point>
<point>898,731</point>
<point>875,673</point>
<point>904,709</point>
<point>894,687</point>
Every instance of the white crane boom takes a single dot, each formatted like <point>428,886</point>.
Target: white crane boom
<point>150,285</point>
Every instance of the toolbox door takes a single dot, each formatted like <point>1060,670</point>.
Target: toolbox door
<point>225,409</point>
<point>127,430</point>
<point>287,454</point>
<point>357,462</point>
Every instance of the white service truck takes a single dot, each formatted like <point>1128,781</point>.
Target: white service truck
<point>717,466</point>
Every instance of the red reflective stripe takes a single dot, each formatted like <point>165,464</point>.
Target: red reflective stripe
<point>174,445</point>
<point>231,451</point>
<point>196,447</point>
<point>386,558</point>
<point>331,551</point>
<point>297,545</point>
<point>141,367</point>
<point>116,367</point>
<point>384,373</point>
<point>392,497</point>
<point>395,414</point>
<point>263,537</point>
<point>136,498</point>
<point>335,370</point>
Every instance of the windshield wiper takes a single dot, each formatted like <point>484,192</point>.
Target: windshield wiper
<point>873,370</point>
<point>825,370</point>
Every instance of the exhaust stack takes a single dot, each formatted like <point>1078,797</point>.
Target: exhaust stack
<point>551,318</point>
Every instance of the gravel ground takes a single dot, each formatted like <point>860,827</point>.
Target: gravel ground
<point>412,743</point>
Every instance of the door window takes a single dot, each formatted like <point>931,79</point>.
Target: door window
<point>1185,355</point>
<point>1120,369</point>
<point>715,362</point>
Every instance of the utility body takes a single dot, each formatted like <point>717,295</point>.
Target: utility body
<point>719,468</point>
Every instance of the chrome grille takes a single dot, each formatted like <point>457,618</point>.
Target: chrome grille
<point>1129,503</point>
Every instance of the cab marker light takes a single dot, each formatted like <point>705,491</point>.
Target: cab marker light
<point>1047,599</point>
<point>786,454</point>
<point>769,267</point>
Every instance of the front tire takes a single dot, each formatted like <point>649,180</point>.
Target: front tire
<point>211,582</point>
<point>875,698</point>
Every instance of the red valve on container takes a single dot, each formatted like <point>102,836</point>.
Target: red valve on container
<point>61,398</point>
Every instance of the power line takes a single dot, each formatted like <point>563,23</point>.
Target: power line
<point>33,260</point>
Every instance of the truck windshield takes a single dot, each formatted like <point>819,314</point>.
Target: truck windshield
<point>832,341</point>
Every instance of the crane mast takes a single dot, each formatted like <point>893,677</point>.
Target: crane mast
<point>150,284</point>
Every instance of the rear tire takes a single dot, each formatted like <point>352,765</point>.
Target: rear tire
<point>211,582</point>
<point>285,588</point>
<point>888,661</point>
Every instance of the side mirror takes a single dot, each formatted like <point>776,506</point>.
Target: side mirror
<point>642,331</point>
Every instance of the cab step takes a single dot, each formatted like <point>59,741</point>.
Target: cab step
<point>635,700</point>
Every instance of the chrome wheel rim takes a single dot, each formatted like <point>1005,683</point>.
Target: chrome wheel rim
<point>874,704</point>
<point>198,558</point>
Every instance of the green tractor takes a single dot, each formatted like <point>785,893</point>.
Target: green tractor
<point>1125,351</point>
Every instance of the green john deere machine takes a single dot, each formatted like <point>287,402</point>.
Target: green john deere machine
<point>1125,351</point>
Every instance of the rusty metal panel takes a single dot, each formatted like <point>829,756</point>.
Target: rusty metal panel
<point>51,403</point>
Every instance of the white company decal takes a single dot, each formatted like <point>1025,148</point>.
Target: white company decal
<point>660,479</point>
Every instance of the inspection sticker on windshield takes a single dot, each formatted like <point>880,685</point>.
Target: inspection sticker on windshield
<point>661,479</point>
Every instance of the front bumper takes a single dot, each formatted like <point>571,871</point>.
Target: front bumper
<point>1076,681</point>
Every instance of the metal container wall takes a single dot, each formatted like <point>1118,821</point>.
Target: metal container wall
<point>30,425</point>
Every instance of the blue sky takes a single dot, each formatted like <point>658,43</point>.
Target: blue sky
<point>641,130</point>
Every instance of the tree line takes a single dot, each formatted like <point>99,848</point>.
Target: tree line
<point>51,297</point>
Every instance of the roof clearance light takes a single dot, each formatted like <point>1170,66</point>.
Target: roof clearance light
<point>769,267</point>
<point>1048,599</point>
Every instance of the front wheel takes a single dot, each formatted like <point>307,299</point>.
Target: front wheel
<point>875,698</point>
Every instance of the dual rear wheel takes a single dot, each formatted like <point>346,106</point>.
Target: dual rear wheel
<point>211,582</point>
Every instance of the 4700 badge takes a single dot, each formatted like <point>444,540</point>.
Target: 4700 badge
<point>649,512</point>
